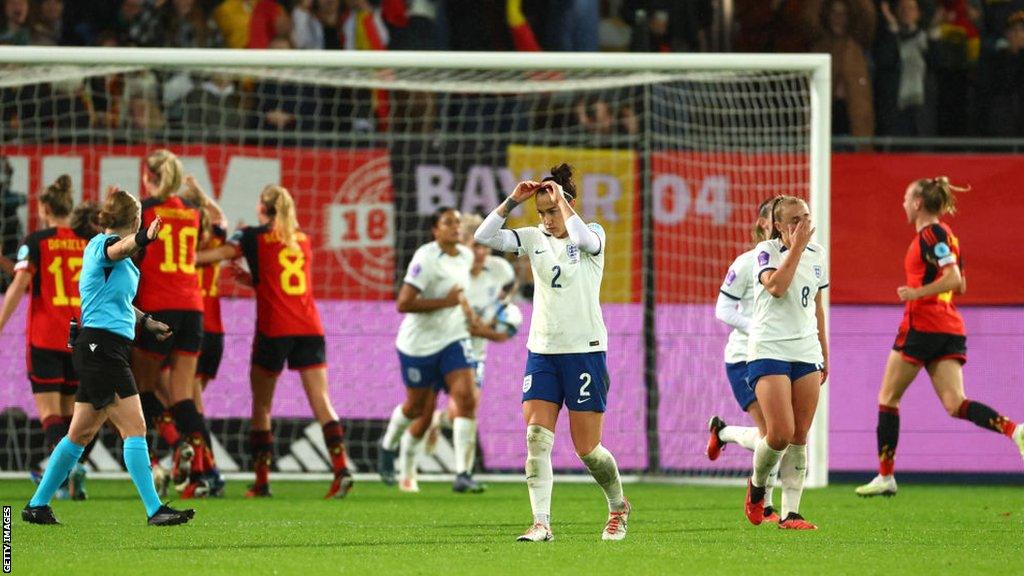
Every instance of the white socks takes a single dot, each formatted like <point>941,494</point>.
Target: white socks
<point>396,425</point>
<point>765,459</point>
<point>410,448</point>
<point>792,473</point>
<point>464,438</point>
<point>444,419</point>
<point>773,478</point>
<point>745,436</point>
<point>539,478</point>
<point>605,471</point>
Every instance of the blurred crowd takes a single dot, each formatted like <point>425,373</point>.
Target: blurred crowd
<point>900,67</point>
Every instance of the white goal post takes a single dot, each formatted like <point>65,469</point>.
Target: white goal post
<point>674,129</point>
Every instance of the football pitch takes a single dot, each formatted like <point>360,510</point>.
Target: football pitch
<point>377,530</point>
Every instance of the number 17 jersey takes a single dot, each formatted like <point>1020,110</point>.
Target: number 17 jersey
<point>282,277</point>
<point>54,259</point>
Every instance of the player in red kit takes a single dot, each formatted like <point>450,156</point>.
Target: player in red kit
<point>169,290</point>
<point>288,329</point>
<point>48,264</point>
<point>932,334</point>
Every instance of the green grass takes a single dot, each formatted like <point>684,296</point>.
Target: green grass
<point>675,530</point>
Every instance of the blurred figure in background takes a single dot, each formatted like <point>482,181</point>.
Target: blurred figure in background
<point>1001,83</point>
<point>852,108</point>
<point>14,28</point>
<point>900,54</point>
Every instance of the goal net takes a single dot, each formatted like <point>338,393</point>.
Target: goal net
<point>673,154</point>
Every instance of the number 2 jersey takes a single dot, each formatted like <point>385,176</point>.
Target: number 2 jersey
<point>53,257</point>
<point>282,277</point>
<point>934,248</point>
<point>167,266</point>
<point>567,315</point>
<point>786,328</point>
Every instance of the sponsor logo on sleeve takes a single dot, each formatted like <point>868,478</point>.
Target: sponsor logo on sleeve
<point>730,277</point>
<point>941,250</point>
<point>23,252</point>
<point>416,269</point>
<point>762,258</point>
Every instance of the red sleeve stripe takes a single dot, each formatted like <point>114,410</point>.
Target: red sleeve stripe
<point>929,236</point>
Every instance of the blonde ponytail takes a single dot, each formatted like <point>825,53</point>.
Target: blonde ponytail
<point>280,206</point>
<point>937,195</point>
<point>166,170</point>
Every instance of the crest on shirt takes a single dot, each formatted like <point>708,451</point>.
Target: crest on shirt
<point>573,252</point>
<point>762,258</point>
<point>730,277</point>
<point>817,271</point>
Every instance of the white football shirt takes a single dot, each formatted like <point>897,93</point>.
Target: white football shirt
<point>483,294</point>
<point>434,273</point>
<point>739,286</point>
<point>786,328</point>
<point>567,315</point>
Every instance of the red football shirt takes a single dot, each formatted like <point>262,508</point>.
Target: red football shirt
<point>934,248</point>
<point>209,274</point>
<point>54,259</point>
<point>167,267</point>
<point>283,282</point>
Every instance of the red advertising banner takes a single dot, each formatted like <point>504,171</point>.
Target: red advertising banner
<point>870,232</point>
<point>705,204</point>
<point>344,198</point>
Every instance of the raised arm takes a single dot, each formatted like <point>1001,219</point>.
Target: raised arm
<point>777,282</point>
<point>580,234</point>
<point>127,247</point>
<point>223,252</point>
<point>490,232</point>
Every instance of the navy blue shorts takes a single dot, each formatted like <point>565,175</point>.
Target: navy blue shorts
<point>768,367</point>
<point>580,381</point>
<point>737,373</point>
<point>424,371</point>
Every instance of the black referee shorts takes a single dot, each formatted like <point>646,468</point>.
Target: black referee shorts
<point>102,360</point>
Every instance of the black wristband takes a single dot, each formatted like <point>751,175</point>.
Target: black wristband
<point>142,320</point>
<point>142,238</point>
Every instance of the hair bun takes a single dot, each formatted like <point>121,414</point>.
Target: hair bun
<point>63,183</point>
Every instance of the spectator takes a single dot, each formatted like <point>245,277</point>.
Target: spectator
<point>269,21</point>
<point>415,25</point>
<point>328,12</point>
<point>852,107</point>
<point>215,105</point>
<point>671,25</point>
<point>188,26</point>
<point>571,26</point>
<point>143,117</point>
<point>307,31</point>
<point>362,27</point>
<point>901,49</point>
<point>233,18</point>
<point>994,16</point>
<point>48,28</point>
<point>955,44</point>
<point>139,23</point>
<point>15,30</point>
<point>1001,83</point>
<point>523,37</point>
<point>10,225</point>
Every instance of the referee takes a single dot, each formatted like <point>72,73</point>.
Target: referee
<point>106,388</point>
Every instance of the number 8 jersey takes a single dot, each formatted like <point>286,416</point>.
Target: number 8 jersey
<point>786,328</point>
<point>567,315</point>
<point>282,278</point>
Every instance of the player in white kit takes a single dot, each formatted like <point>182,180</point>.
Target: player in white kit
<point>734,307</point>
<point>490,279</point>
<point>567,345</point>
<point>433,348</point>
<point>787,355</point>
